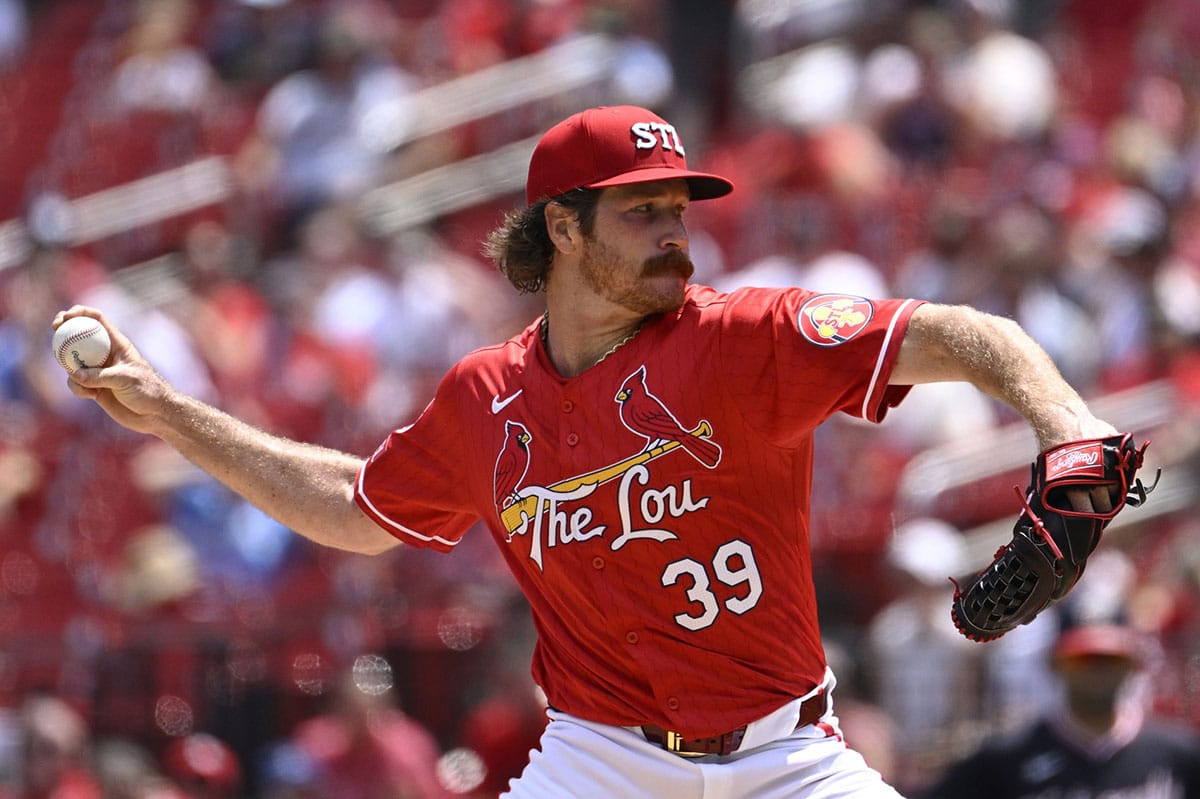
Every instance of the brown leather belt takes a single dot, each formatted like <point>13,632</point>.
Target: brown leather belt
<point>726,743</point>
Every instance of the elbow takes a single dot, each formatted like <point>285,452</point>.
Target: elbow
<point>366,537</point>
<point>380,543</point>
<point>370,544</point>
<point>350,532</point>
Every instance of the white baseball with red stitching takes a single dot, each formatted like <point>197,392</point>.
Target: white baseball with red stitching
<point>81,342</point>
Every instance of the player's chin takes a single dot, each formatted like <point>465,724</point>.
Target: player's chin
<point>663,294</point>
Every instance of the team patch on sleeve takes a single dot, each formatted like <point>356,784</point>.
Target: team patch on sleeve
<point>828,320</point>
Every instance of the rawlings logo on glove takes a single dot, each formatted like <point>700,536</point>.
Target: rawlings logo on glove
<point>1051,540</point>
<point>1086,459</point>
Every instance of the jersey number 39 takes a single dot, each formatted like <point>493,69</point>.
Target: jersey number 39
<point>734,566</point>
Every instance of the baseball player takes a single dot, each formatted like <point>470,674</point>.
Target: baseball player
<point>641,454</point>
<point>1097,744</point>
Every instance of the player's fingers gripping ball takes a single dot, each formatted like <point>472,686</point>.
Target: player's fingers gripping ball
<point>80,343</point>
<point>1051,539</point>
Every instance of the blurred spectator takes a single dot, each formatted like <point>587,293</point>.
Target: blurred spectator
<point>874,733</point>
<point>158,568</point>
<point>1028,285</point>
<point>14,32</point>
<point>254,44</point>
<point>127,770</point>
<point>507,714</point>
<point>1097,743</point>
<point>289,773</point>
<point>704,97</point>
<point>642,74</point>
<point>906,97</point>
<point>1003,84</point>
<point>227,315</point>
<point>56,746</point>
<point>366,748</point>
<point>951,264</point>
<point>950,412</point>
<point>323,131</point>
<point>160,71</point>
<point>1118,247</point>
<point>502,730</point>
<point>1020,682</point>
<point>162,100</point>
<point>203,766</point>
<point>914,637</point>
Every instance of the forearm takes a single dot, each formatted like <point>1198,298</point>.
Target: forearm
<point>307,488</point>
<point>946,343</point>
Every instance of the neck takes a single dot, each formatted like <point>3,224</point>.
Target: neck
<point>573,350</point>
<point>1095,721</point>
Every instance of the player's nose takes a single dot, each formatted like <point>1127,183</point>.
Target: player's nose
<point>676,236</point>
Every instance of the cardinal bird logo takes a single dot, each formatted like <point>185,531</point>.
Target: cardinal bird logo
<point>644,414</point>
<point>511,464</point>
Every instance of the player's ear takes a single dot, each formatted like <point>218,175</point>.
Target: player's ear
<point>562,225</point>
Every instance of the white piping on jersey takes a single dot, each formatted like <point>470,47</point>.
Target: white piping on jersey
<point>866,407</point>
<point>382,519</point>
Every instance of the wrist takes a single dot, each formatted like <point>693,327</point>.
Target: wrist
<point>1070,420</point>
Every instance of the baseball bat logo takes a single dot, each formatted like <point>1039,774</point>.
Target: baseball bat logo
<point>640,411</point>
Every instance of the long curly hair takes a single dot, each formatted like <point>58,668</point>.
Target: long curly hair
<point>521,245</point>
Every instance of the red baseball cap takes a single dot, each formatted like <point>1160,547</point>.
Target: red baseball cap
<point>613,146</point>
<point>1097,639</point>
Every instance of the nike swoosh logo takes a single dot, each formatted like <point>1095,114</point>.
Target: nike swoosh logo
<point>500,404</point>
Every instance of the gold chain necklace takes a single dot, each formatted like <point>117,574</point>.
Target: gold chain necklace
<point>545,332</point>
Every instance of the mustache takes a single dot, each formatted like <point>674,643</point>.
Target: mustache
<point>672,261</point>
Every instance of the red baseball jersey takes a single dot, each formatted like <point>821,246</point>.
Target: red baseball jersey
<point>654,508</point>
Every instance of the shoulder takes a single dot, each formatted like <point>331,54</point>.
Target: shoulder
<point>703,296</point>
<point>1167,734</point>
<point>742,303</point>
<point>744,311</point>
<point>993,767</point>
<point>1009,747</point>
<point>699,298</point>
<point>495,359</point>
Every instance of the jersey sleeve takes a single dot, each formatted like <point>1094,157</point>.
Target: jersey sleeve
<point>414,485</point>
<point>826,353</point>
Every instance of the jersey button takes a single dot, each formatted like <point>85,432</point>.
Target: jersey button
<point>672,703</point>
<point>631,637</point>
<point>572,439</point>
<point>567,406</point>
<point>597,562</point>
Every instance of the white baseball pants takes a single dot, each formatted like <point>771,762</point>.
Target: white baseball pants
<point>583,760</point>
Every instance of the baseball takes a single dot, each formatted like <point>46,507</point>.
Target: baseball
<point>81,342</point>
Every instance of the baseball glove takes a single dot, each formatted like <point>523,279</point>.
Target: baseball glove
<point>1051,541</point>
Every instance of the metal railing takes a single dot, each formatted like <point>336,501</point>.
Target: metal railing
<point>557,71</point>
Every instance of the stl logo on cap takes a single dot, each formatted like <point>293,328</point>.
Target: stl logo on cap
<point>828,320</point>
<point>647,136</point>
<point>613,146</point>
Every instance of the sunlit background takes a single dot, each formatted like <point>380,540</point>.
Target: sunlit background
<point>282,203</point>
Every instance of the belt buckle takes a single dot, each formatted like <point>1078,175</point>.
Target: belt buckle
<point>674,742</point>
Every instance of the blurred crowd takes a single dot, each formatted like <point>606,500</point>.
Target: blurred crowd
<point>159,637</point>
